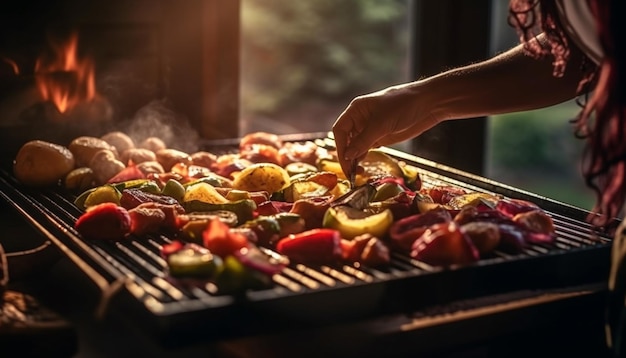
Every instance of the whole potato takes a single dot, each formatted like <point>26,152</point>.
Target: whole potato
<point>262,177</point>
<point>105,165</point>
<point>153,143</point>
<point>150,167</point>
<point>169,157</point>
<point>204,159</point>
<point>85,147</point>
<point>120,140</point>
<point>137,155</point>
<point>41,163</point>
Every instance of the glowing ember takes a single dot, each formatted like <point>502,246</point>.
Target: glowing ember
<point>63,78</point>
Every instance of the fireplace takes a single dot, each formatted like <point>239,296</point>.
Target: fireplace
<point>174,60</point>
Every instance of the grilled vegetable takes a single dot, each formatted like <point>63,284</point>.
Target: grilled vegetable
<point>234,277</point>
<point>262,177</point>
<point>366,249</point>
<point>106,221</point>
<point>205,193</point>
<point>102,194</point>
<point>174,189</point>
<point>244,209</point>
<point>484,235</point>
<point>129,173</point>
<point>445,244</point>
<point>351,222</point>
<point>133,197</point>
<point>193,261</point>
<point>80,179</point>
<point>218,238</point>
<point>404,232</point>
<point>358,198</point>
<point>378,164</point>
<point>312,246</point>
<point>253,258</point>
<point>266,229</point>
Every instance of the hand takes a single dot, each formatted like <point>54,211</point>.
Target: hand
<point>381,118</point>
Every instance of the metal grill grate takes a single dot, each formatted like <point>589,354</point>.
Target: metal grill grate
<point>302,291</point>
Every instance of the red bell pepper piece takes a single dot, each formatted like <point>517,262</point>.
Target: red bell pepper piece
<point>406,230</point>
<point>222,242</point>
<point>131,172</point>
<point>106,221</point>
<point>512,207</point>
<point>443,194</point>
<point>313,246</point>
<point>168,249</point>
<point>445,244</point>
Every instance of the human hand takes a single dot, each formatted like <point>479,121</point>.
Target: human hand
<point>379,119</point>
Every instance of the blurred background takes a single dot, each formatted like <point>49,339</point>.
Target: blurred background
<point>232,67</point>
<point>303,61</point>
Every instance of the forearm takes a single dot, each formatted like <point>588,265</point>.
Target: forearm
<point>509,82</point>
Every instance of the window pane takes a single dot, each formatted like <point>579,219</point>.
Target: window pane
<point>303,61</point>
<point>535,150</point>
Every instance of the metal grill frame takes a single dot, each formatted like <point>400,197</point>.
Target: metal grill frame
<point>313,295</point>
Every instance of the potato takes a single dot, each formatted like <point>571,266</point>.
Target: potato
<point>153,143</point>
<point>262,177</point>
<point>204,159</point>
<point>260,138</point>
<point>169,157</point>
<point>105,165</point>
<point>137,155</point>
<point>121,141</point>
<point>85,147</point>
<point>150,167</point>
<point>204,192</point>
<point>41,163</point>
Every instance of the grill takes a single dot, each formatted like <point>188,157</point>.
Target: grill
<point>133,279</point>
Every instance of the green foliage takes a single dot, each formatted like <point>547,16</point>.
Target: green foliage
<point>537,151</point>
<point>329,49</point>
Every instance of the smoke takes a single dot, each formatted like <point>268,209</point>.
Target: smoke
<point>158,119</point>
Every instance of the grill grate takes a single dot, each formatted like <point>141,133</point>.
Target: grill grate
<point>303,292</point>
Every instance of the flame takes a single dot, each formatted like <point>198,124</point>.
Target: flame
<point>63,78</point>
<point>14,66</point>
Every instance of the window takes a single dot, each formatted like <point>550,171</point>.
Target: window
<point>303,61</point>
<point>535,150</point>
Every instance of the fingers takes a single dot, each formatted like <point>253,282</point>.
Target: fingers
<point>355,132</point>
<point>342,131</point>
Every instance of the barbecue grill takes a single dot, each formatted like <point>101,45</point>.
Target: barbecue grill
<point>132,277</point>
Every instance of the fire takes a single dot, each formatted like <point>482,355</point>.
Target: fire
<point>14,66</point>
<point>63,78</point>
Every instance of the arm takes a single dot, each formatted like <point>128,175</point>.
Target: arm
<point>509,82</point>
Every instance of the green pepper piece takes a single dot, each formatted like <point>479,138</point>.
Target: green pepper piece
<point>103,194</point>
<point>266,228</point>
<point>198,222</point>
<point>289,223</point>
<point>135,183</point>
<point>234,277</point>
<point>213,180</point>
<point>193,261</point>
<point>174,189</point>
<point>80,199</point>
<point>244,209</point>
<point>411,176</point>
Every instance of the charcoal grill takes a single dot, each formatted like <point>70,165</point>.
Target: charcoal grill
<point>132,272</point>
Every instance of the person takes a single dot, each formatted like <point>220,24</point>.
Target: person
<point>568,49</point>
